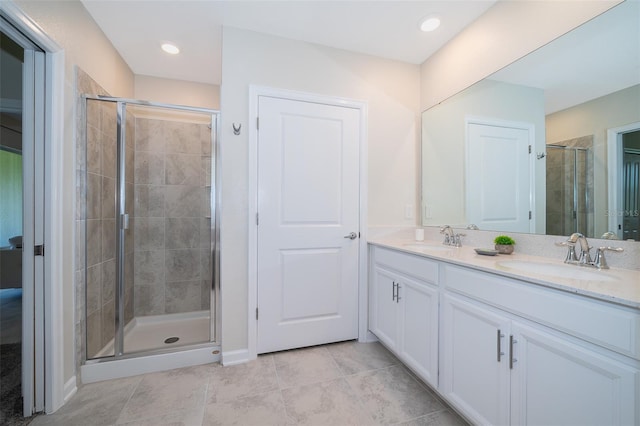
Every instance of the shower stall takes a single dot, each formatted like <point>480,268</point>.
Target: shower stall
<point>151,252</point>
<point>569,190</point>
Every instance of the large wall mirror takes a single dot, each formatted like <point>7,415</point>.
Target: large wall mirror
<point>548,145</point>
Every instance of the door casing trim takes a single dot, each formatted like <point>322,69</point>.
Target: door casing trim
<point>56,391</point>
<point>615,162</point>
<point>254,93</point>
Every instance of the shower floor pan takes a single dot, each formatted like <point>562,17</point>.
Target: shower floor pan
<point>160,332</point>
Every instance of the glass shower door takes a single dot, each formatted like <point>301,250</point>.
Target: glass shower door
<point>155,227</point>
<point>568,203</point>
<point>172,227</point>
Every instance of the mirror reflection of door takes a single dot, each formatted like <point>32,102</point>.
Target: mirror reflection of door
<point>631,185</point>
<point>499,176</point>
<point>11,213</point>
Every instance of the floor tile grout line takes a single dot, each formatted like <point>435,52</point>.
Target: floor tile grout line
<point>206,398</point>
<point>275,369</point>
<point>289,417</point>
<point>362,405</point>
<point>135,388</point>
<point>427,388</point>
<point>444,409</point>
<point>204,402</point>
<point>335,362</point>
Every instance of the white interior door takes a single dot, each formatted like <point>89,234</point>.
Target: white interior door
<point>308,202</point>
<point>499,178</point>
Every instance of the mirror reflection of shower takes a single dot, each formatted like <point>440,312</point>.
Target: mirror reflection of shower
<point>150,227</point>
<point>569,174</point>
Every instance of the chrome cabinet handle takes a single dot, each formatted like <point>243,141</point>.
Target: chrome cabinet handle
<point>512,360</point>
<point>393,291</point>
<point>398,293</point>
<point>351,236</point>
<point>499,339</point>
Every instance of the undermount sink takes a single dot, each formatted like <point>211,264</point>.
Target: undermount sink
<point>554,270</point>
<point>427,246</point>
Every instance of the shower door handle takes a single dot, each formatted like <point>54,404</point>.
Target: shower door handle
<point>125,221</point>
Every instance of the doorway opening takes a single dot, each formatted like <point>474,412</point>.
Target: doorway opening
<point>623,163</point>
<point>21,224</point>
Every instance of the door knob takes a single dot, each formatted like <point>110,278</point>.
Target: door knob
<point>351,236</point>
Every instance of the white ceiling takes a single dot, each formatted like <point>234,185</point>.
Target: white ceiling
<point>599,57</point>
<point>387,29</point>
<point>605,50</point>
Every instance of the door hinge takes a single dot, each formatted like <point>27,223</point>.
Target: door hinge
<point>258,123</point>
<point>529,149</point>
<point>530,215</point>
<point>38,250</point>
<point>257,220</point>
<point>256,313</point>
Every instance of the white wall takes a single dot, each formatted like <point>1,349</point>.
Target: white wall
<point>84,44</point>
<point>443,141</point>
<point>506,32</point>
<point>391,90</point>
<point>595,118</point>
<point>177,92</point>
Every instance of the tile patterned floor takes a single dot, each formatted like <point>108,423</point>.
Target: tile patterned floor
<point>339,384</point>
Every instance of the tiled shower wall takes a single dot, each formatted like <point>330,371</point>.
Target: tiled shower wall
<point>172,217</point>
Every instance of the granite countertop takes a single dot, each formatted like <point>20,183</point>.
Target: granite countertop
<point>621,286</point>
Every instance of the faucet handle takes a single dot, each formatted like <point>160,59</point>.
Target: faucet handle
<point>571,251</point>
<point>600,262</point>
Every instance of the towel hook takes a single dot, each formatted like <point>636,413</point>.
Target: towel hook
<point>236,130</point>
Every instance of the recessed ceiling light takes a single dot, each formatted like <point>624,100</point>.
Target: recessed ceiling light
<point>170,48</point>
<point>429,23</point>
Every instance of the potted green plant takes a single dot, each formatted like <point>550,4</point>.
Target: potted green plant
<point>504,244</point>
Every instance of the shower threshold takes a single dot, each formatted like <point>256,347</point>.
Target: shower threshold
<point>152,332</point>
<point>146,350</point>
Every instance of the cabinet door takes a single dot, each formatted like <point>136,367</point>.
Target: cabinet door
<point>419,329</point>
<point>557,382</point>
<point>383,320</point>
<point>475,378</point>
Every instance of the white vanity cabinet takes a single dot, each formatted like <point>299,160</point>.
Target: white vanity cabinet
<point>500,367</point>
<point>403,309</point>
<point>475,374</point>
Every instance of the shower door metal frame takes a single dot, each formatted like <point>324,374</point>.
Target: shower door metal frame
<point>123,219</point>
<point>575,191</point>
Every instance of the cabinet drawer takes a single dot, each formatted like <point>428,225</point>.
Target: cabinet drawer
<point>408,264</point>
<point>607,325</point>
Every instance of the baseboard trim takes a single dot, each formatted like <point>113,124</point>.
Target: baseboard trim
<point>70,389</point>
<point>235,357</point>
<point>368,338</point>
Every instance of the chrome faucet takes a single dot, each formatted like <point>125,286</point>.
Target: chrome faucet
<point>585,256</point>
<point>450,237</point>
